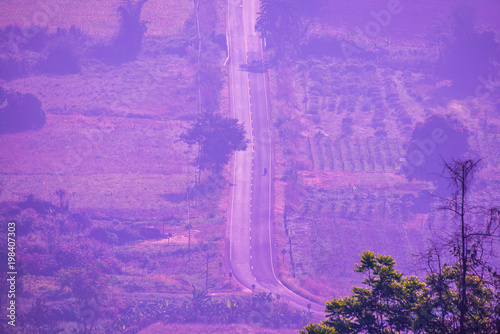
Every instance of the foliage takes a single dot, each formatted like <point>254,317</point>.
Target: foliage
<point>261,309</point>
<point>61,51</point>
<point>35,49</point>
<point>440,312</point>
<point>280,24</point>
<point>312,328</point>
<point>127,43</point>
<point>470,244</point>
<point>384,305</point>
<point>393,303</point>
<point>217,137</point>
<point>20,112</point>
<point>40,318</point>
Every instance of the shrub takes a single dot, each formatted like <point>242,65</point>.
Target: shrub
<point>60,60</point>
<point>40,206</point>
<point>436,139</point>
<point>20,112</point>
<point>36,49</point>
<point>11,68</point>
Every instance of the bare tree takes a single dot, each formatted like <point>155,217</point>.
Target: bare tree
<point>471,242</point>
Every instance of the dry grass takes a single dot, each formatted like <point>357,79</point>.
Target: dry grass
<point>111,138</point>
<point>159,88</point>
<point>95,17</point>
<point>125,167</point>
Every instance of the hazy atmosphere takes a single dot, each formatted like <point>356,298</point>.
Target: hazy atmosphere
<point>246,166</point>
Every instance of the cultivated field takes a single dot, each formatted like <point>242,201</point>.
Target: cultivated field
<point>342,126</point>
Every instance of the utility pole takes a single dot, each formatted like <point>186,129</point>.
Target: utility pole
<point>206,274</point>
<point>188,226</point>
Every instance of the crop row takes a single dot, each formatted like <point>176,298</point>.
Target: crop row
<point>356,155</point>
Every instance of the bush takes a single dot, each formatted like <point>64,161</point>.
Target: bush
<point>35,49</point>
<point>20,112</point>
<point>436,139</point>
<point>60,60</point>
<point>11,68</point>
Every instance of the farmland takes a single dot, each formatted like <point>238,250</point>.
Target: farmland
<point>342,126</point>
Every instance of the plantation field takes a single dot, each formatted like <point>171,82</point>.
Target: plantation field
<point>341,129</point>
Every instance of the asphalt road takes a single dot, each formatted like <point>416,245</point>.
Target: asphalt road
<point>249,218</point>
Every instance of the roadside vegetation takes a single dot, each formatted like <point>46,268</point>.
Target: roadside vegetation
<point>20,112</point>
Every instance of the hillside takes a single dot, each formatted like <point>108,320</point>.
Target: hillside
<point>343,127</point>
<point>115,233</point>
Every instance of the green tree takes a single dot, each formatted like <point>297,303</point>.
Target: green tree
<point>392,303</point>
<point>386,304</point>
<point>281,25</point>
<point>467,56</point>
<point>216,137</point>
<point>312,328</point>
<point>440,309</point>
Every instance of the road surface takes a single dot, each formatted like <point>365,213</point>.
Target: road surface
<point>251,251</point>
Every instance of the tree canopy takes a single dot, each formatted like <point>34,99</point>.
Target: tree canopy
<point>217,137</point>
<point>468,55</point>
<point>392,303</point>
<point>436,139</point>
<point>281,25</point>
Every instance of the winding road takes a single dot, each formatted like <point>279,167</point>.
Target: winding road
<point>251,252</point>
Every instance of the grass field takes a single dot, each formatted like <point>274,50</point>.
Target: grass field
<point>98,120</point>
<point>96,18</point>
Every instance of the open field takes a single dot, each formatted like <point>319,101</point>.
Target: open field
<point>96,18</point>
<point>96,121</point>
